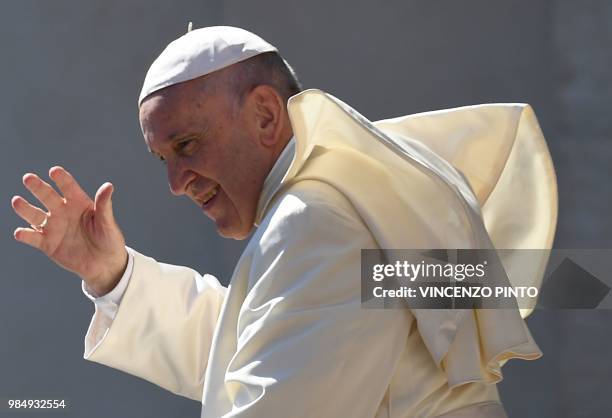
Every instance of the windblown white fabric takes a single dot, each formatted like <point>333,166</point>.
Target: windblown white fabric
<point>463,195</point>
<point>289,337</point>
<point>201,52</point>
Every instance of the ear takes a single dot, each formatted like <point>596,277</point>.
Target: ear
<point>267,109</point>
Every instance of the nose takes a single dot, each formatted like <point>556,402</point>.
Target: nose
<point>179,177</point>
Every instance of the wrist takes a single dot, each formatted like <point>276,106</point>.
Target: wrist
<point>105,282</point>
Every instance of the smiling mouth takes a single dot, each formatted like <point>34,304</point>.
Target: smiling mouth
<point>209,196</point>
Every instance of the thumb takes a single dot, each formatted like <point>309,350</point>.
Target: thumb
<point>103,205</point>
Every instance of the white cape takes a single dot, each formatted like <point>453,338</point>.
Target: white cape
<point>470,177</point>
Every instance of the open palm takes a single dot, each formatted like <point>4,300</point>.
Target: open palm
<point>78,233</point>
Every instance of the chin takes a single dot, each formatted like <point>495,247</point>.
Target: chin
<point>237,233</point>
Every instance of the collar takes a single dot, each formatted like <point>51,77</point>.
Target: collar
<point>274,179</point>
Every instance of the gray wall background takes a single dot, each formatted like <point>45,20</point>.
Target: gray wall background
<point>71,72</point>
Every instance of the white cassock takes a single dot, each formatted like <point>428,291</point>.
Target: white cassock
<point>288,337</point>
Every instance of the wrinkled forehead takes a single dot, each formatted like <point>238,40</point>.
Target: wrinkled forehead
<point>160,106</point>
<point>181,108</point>
<point>195,93</point>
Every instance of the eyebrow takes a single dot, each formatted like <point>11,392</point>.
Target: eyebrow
<point>175,137</point>
<point>178,136</point>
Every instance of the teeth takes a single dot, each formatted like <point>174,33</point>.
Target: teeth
<point>211,194</point>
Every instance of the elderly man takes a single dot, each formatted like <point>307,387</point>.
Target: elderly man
<point>312,182</point>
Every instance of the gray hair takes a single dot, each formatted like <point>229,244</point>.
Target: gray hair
<point>268,68</point>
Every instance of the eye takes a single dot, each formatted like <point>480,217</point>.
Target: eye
<point>186,146</point>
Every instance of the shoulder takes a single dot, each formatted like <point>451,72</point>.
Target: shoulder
<point>312,233</point>
<point>313,208</point>
<point>309,220</point>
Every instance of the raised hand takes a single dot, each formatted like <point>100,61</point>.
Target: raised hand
<point>77,233</point>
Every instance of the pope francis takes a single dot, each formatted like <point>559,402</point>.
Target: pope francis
<point>311,182</point>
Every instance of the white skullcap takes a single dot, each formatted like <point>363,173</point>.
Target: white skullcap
<point>200,52</point>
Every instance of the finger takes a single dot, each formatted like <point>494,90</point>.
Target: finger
<point>28,212</point>
<point>29,236</point>
<point>103,205</point>
<point>67,184</point>
<point>43,191</point>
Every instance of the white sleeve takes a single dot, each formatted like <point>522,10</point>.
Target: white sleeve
<point>157,324</point>
<point>107,304</point>
<point>304,339</point>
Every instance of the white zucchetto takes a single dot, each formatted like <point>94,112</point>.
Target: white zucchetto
<point>200,52</point>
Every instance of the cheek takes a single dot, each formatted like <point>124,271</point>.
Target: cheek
<point>241,188</point>
<point>244,185</point>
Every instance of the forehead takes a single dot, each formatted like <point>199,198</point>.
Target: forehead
<point>178,110</point>
<point>210,91</point>
<point>165,104</point>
